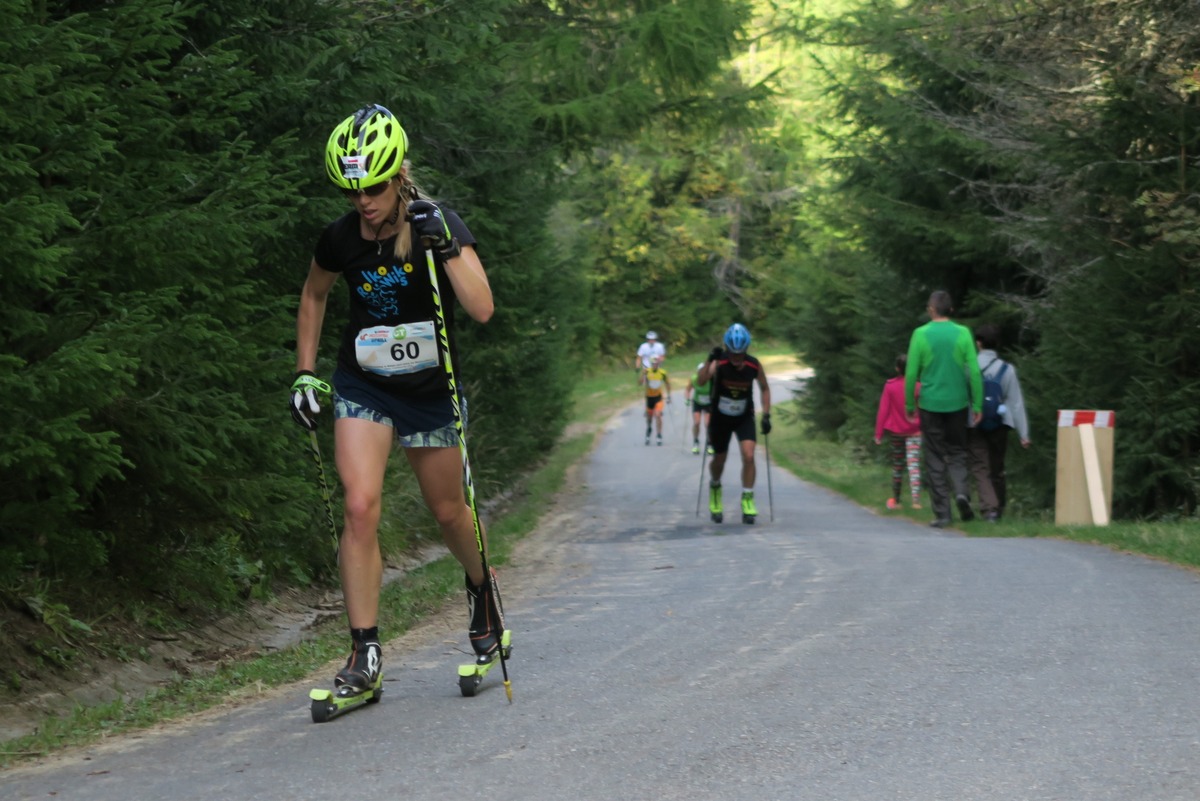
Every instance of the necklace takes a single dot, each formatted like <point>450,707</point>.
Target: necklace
<point>389,221</point>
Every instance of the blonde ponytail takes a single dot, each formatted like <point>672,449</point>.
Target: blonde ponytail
<point>408,192</point>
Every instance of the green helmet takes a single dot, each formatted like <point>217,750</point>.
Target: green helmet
<point>367,148</point>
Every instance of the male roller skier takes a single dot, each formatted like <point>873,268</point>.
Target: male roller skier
<point>734,372</point>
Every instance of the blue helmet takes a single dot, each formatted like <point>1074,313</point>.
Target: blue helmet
<point>737,338</point>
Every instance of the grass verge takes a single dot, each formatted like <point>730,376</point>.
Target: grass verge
<point>849,471</point>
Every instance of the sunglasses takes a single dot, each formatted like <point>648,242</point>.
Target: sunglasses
<point>374,190</point>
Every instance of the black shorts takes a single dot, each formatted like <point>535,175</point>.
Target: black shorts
<point>653,402</point>
<point>701,407</point>
<point>722,427</point>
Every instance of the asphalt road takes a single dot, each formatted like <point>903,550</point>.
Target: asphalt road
<point>832,654</point>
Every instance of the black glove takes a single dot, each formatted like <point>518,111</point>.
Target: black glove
<point>716,354</point>
<point>430,227</point>
<point>766,423</point>
<point>303,404</point>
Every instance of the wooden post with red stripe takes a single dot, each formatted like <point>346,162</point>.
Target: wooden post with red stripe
<point>1083,489</point>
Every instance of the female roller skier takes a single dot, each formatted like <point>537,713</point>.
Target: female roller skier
<point>384,394</point>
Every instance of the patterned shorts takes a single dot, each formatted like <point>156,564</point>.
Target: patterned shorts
<point>417,423</point>
<point>444,437</point>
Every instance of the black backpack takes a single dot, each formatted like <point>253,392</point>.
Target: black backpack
<point>993,399</point>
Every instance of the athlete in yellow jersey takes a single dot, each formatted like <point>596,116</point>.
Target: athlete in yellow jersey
<point>658,389</point>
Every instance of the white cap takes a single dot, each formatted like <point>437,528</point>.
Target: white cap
<point>651,335</point>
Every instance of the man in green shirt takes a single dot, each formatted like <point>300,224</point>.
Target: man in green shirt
<point>942,359</point>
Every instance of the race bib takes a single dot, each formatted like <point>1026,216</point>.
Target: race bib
<point>731,407</point>
<point>397,349</point>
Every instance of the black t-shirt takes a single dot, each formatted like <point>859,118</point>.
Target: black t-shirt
<point>733,387</point>
<point>385,291</point>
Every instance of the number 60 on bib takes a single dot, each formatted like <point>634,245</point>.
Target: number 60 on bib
<point>397,350</point>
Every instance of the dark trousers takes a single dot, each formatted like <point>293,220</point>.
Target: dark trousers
<point>986,451</point>
<point>945,436</point>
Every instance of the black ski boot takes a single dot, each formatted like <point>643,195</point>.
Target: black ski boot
<point>487,619</point>
<point>358,684</point>
<point>364,666</point>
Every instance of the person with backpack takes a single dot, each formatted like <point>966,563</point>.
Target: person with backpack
<point>1003,410</point>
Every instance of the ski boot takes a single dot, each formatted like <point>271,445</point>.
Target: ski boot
<point>660,439</point>
<point>490,640</point>
<point>359,682</point>
<point>695,446</point>
<point>749,511</point>
<point>714,501</point>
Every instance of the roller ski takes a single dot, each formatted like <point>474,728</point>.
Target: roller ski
<point>487,620</point>
<point>714,503</point>
<point>749,511</point>
<point>360,682</point>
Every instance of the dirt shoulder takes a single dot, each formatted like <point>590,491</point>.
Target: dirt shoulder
<point>90,678</point>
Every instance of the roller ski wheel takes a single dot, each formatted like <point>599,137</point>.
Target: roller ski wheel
<point>328,704</point>
<point>471,675</point>
<point>749,519</point>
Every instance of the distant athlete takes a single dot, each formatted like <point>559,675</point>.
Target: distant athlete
<point>648,351</point>
<point>734,372</point>
<point>658,389</point>
<point>699,397</point>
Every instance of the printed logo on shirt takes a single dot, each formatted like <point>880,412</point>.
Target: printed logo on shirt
<point>378,289</point>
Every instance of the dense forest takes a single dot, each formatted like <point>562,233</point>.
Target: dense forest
<point>813,169</point>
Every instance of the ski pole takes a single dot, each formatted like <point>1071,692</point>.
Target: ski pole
<point>315,448</point>
<point>444,344</point>
<point>703,459</point>
<point>670,413</point>
<point>770,495</point>
<point>683,428</point>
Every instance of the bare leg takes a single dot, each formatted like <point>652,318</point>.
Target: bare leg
<point>361,448</point>
<point>717,466</point>
<point>749,473</point>
<point>439,474</point>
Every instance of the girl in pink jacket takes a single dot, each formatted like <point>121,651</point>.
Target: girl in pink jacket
<point>904,436</point>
